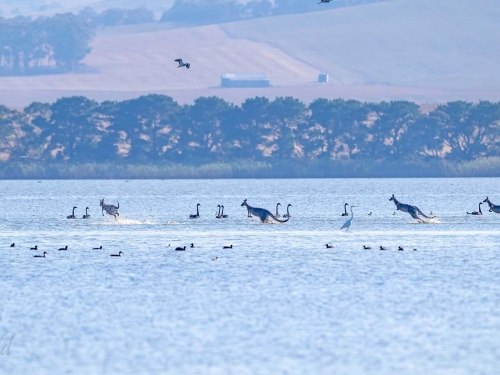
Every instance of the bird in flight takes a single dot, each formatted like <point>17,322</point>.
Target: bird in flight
<point>182,64</point>
<point>324,1</point>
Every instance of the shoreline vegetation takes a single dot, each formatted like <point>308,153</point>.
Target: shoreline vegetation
<point>483,167</point>
<point>153,137</point>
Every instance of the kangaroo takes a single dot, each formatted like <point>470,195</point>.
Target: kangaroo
<point>261,213</point>
<point>493,208</point>
<point>110,209</point>
<point>412,210</point>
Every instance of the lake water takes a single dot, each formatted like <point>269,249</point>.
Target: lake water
<point>279,302</point>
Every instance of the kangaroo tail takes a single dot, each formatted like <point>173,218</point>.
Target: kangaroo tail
<point>278,220</point>
<point>421,213</point>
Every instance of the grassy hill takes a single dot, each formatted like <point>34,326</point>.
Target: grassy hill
<point>445,44</point>
<point>144,62</point>
<point>425,51</point>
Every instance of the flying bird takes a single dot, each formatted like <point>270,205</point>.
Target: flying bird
<point>182,64</point>
<point>324,1</point>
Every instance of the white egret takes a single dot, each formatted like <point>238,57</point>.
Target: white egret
<point>347,224</point>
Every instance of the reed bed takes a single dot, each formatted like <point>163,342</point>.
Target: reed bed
<point>484,167</point>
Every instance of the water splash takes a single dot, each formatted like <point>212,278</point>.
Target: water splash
<point>432,220</point>
<point>124,221</point>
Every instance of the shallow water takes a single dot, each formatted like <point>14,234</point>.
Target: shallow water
<point>279,302</point>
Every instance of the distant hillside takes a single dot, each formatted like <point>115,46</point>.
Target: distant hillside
<point>423,51</point>
<point>444,44</point>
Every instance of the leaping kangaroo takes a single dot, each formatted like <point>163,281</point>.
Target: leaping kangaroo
<point>493,208</point>
<point>412,210</point>
<point>110,209</point>
<point>261,213</point>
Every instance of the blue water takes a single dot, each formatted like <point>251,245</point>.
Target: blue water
<point>279,302</point>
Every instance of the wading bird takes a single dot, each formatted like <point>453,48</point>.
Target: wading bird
<point>347,224</point>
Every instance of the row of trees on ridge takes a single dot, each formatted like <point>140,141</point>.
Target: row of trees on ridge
<point>155,128</point>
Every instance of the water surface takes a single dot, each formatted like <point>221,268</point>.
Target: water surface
<point>279,302</point>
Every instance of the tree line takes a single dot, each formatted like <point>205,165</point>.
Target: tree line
<point>58,43</point>
<point>155,129</point>
<point>29,46</point>
<point>217,11</point>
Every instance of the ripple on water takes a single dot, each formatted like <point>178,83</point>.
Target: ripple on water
<point>279,302</point>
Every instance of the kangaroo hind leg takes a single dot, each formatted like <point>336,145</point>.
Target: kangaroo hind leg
<point>414,215</point>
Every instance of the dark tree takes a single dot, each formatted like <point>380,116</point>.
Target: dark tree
<point>139,16</point>
<point>89,15</point>
<point>70,37</point>
<point>112,17</point>
<point>468,129</point>
<point>71,131</point>
<point>205,138</point>
<point>393,119</point>
<point>149,124</point>
<point>286,117</point>
<point>204,12</point>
